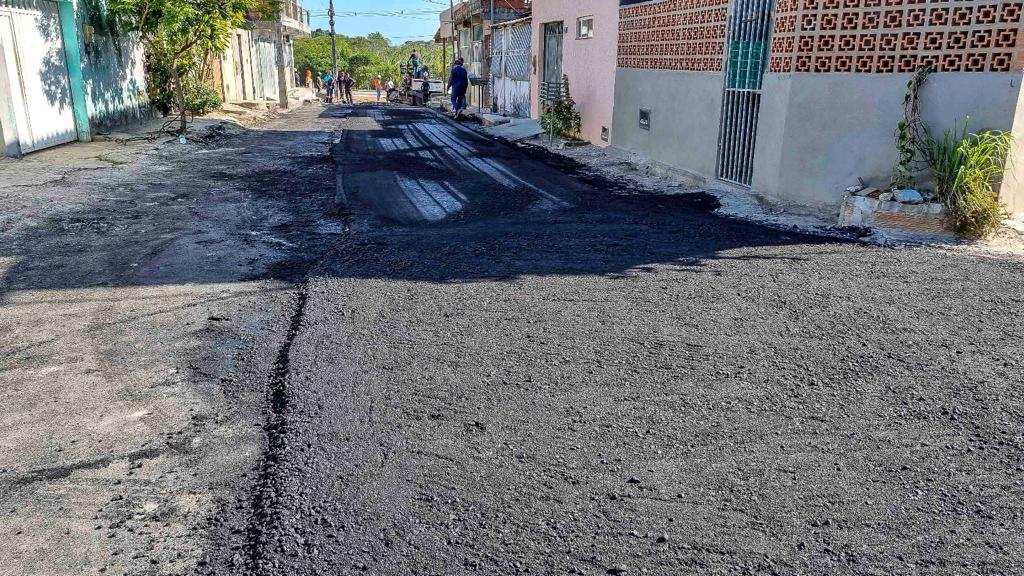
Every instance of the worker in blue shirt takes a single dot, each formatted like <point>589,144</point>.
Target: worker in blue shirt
<point>458,83</point>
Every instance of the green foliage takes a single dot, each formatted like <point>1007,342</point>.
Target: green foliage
<point>908,132</point>
<point>562,118</point>
<point>363,57</point>
<point>966,168</point>
<point>159,83</point>
<point>200,97</point>
<point>181,36</point>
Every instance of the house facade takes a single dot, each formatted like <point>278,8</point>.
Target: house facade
<point>471,24</point>
<point>259,63</point>
<point>797,99</point>
<point>578,40</point>
<point>65,73</point>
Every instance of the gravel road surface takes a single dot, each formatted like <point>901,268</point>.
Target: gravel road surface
<point>504,371</point>
<point>367,340</point>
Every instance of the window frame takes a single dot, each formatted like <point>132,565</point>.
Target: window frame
<point>579,27</point>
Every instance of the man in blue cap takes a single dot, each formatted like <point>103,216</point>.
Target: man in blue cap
<point>458,83</point>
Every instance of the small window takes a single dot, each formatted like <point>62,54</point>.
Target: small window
<point>478,32</point>
<point>585,27</point>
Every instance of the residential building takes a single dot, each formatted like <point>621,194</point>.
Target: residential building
<point>578,39</point>
<point>797,99</point>
<point>65,73</point>
<point>259,63</point>
<point>472,22</point>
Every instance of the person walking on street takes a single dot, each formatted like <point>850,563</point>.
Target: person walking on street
<point>347,81</point>
<point>377,86</point>
<point>458,83</point>
<point>309,78</point>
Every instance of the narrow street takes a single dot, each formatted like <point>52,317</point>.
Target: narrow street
<point>369,340</point>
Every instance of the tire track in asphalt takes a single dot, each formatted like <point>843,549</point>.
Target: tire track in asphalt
<point>266,517</point>
<point>412,166</point>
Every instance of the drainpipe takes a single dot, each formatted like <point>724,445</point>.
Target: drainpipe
<point>73,60</point>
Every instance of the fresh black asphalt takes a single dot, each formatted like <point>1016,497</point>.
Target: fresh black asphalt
<point>503,368</point>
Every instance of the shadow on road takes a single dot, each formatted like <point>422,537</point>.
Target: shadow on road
<point>181,220</point>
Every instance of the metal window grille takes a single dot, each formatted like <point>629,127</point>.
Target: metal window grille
<point>517,52</point>
<point>749,32</point>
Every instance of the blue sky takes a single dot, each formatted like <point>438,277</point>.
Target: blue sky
<point>375,16</point>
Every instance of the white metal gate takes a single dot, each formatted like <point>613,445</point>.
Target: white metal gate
<point>750,25</point>
<point>510,68</point>
<point>267,73</point>
<point>33,49</point>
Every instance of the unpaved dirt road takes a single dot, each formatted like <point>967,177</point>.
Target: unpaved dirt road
<point>133,280</point>
<point>498,368</point>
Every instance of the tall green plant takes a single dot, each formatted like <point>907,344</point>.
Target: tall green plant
<point>180,36</point>
<point>966,168</point>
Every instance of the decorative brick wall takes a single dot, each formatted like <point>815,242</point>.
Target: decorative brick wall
<point>897,36</point>
<point>673,35</point>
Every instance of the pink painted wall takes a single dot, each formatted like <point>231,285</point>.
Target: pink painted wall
<point>589,63</point>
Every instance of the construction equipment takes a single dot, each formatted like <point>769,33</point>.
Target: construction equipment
<point>415,89</point>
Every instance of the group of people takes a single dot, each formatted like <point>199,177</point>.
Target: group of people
<point>458,84</point>
<point>342,85</point>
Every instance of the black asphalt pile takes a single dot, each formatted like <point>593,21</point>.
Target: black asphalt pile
<point>634,387</point>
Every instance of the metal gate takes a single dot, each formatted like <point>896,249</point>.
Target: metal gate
<point>510,68</point>
<point>267,72</point>
<point>33,56</point>
<point>553,32</point>
<point>750,25</point>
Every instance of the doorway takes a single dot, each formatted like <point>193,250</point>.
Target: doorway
<point>551,78</point>
<point>749,33</point>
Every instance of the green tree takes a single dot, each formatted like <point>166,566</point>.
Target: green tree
<point>364,57</point>
<point>181,37</point>
<point>314,53</point>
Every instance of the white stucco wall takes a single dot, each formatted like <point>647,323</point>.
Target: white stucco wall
<point>685,110</point>
<point>818,133</point>
<point>231,65</point>
<point>589,63</point>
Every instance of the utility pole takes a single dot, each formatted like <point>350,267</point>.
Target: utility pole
<point>282,66</point>
<point>451,12</point>
<point>334,45</point>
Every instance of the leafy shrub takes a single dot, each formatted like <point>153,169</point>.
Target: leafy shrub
<point>200,97</point>
<point>966,168</point>
<point>562,119</point>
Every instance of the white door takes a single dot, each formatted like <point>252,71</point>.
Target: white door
<point>268,69</point>
<point>33,50</point>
